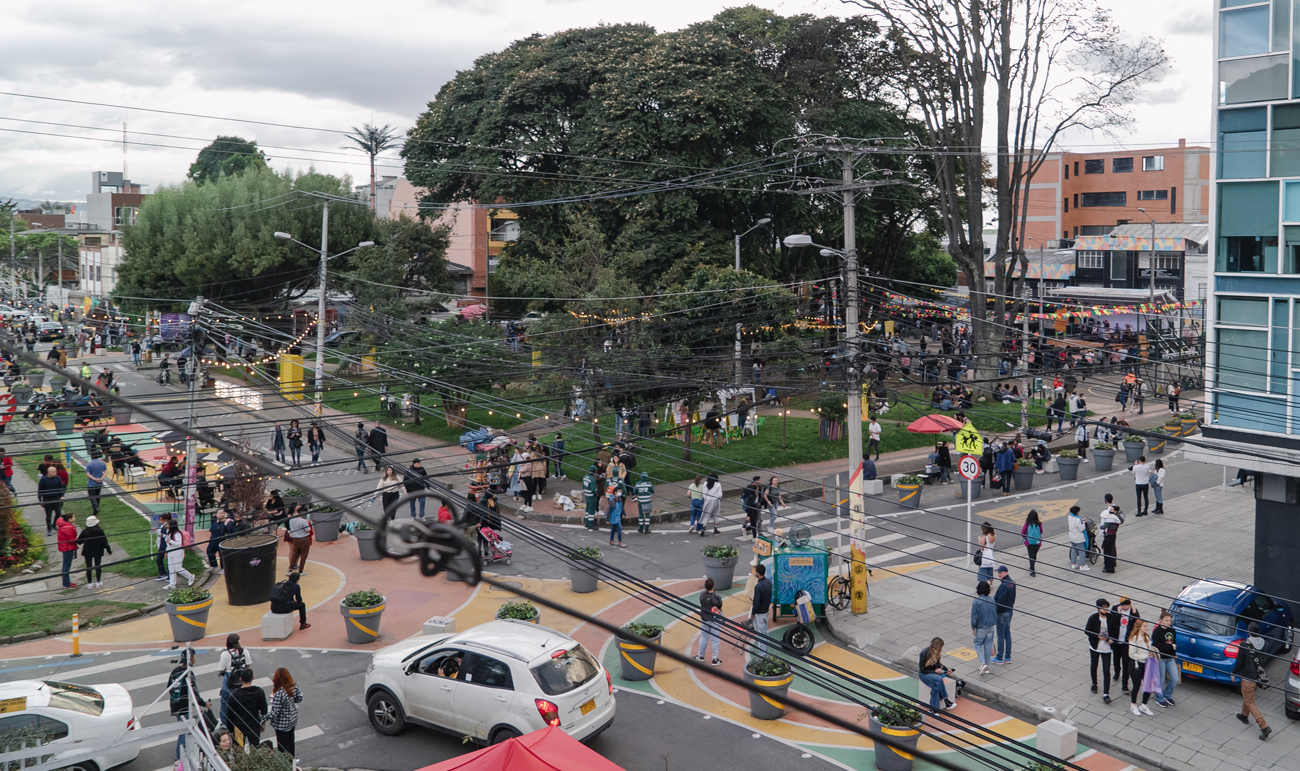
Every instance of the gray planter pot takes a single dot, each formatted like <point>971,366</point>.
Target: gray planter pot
<point>36,379</point>
<point>722,571</point>
<point>910,495</point>
<point>121,415</point>
<point>362,623</point>
<point>1024,478</point>
<point>326,524</point>
<point>57,382</point>
<point>583,577</point>
<point>977,488</point>
<point>1069,467</point>
<point>1156,444</point>
<point>291,500</point>
<point>22,393</point>
<point>888,758</point>
<point>1133,450</point>
<point>1103,460</point>
<point>189,622</point>
<point>637,661</point>
<point>768,702</point>
<point>64,424</point>
<point>1189,426</point>
<point>367,545</point>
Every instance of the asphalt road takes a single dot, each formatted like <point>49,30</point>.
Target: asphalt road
<point>647,735</point>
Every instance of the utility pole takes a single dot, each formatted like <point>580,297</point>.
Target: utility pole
<point>320,301</point>
<point>856,483</point>
<point>739,371</point>
<point>13,260</point>
<point>197,343</point>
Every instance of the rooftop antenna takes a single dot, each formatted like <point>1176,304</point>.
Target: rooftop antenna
<point>124,177</point>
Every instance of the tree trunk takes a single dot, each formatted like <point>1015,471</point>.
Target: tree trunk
<point>454,412</point>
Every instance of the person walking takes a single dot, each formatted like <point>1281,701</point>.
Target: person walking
<point>1165,642</point>
<point>988,541</point>
<point>298,532</point>
<point>283,714</point>
<point>389,490</point>
<point>377,441</point>
<point>712,504</point>
<point>247,710</point>
<point>526,479</point>
<point>1032,533</point>
<point>180,684</point>
<point>295,442</point>
<point>94,545</point>
<point>932,673</point>
<point>1125,614</point>
<point>944,461</point>
<point>417,480</point>
<point>873,440</point>
<point>361,443</point>
<point>1005,464</point>
<point>1122,397</point>
<point>315,442</point>
<point>1140,656</point>
<point>591,499</point>
<point>1158,485</point>
<point>96,470</point>
<point>983,623</point>
<point>216,533</point>
<point>614,492</point>
<point>286,597</point>
<point>644,491</point>
<point>1101,629</point>
<point>1250,673</point>
<point>1005,600</point>
<point>750,499</point>
<point>160,554</point>
<point>50,493</point>
<point>759,610</point>
<point>1111,519</point>
<point>176,556</point>
<point>1078,540</point>
<point>233,660</point>
<point>1142,485</point>
<point>67,540</point>
<point>710,622</point>
<point>277,441</point>
<point>696,492</point>
<point>772,500</point>
<point>7,469</point>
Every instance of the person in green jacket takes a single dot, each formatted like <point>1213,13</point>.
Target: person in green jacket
<point>644,490</point>
<point>591,497</point>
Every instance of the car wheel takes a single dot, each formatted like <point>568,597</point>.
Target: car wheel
<point>87,766</point>
<point>503,734</point>
<point>386,715</point>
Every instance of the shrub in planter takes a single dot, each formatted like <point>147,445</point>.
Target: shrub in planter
<point>64,421</point>
<point>901,722</point>
<point>294,495</point>
<point>1103,456</point>
<point>522,611</point>
<point>582,574</point>
<point>909,491</point>
<point>1025,470</point>
<point>720,564</point>
<point>1068,462</point>
<point>1133,447</point>
<point>771,675</point>
<point>361,612</point>
<point>326,524</point>
<point>36,376</point>
<point>188,609</point>
<point>1189,421</point>
<point>1156,442</point>
<point>637,661</point>
<point>367,544</point>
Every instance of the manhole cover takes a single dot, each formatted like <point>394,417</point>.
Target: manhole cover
<point>507,585</point>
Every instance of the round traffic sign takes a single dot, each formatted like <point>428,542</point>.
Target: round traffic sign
<point>8,406</point>
<point>969,467</point>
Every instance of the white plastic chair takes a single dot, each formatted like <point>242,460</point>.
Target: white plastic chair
<point>751,423</point>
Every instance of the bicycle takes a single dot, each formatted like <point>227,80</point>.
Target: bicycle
<point>839,593</point>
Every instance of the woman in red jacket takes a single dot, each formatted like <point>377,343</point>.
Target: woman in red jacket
<point>67,547</point>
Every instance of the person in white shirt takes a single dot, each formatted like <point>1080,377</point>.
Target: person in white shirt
<point>1081,441</point>
<point>1158,485</point>
<point>873,438</point>
<point>1142,482</point>
<point>1140,656</point>
<point>1078,540</point>
<point>1072,404</point>
<point>1111,519</point>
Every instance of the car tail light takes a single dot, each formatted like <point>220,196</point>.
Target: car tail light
<point>1230,650</point>
<point>1295,666</point>
<point>610,680</point>
<point>549,712</point>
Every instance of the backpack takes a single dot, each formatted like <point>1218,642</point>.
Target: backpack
<point>1034,535</point>
<point>281,593</point>
<point>187,539</point>
<point>238,662</point>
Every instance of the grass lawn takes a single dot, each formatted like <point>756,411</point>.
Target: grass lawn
<point>122,524</point>
<point>21,617</point>
<point>368,406</point>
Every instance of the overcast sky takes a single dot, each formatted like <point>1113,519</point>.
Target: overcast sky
<point>333,64</point>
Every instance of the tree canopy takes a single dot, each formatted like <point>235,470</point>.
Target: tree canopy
<point>226,156</point>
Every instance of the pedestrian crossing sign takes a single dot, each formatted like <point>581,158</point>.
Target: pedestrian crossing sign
<point>969,441</point>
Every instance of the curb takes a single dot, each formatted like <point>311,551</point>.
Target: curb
<point>1088,734</point>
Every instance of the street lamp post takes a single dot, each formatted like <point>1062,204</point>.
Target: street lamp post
<point>1151,315</point>
<point>739,236</point>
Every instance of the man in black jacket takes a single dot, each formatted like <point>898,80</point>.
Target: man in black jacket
<point>378,443</point>
<point>180,682</point>
<point>247,709</point>
<point>760,609</point>
<point>749,500</point>
<point>286,597</point>
<point>1165,641</point>
<point>1251,674</point>
<point>1102,630</point>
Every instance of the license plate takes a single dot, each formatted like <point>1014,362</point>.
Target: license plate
<point>588,706</point>
<point>1190,667</point>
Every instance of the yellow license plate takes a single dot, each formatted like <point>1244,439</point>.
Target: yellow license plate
<point>1189,667</point>
<point>588,706</point>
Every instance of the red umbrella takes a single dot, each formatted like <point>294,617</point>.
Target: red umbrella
<point>935,424</point>
<point>473,311</point>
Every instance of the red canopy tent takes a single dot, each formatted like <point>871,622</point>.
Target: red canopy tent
<point>935,424</point>
<point>549,749</point>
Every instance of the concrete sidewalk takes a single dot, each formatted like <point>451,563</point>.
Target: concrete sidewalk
<point>1205,535</point>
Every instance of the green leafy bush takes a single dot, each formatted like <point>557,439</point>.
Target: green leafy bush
<point>364,598</point>
<point>524,611</point>
<point>831,407</point>
<point>1026,463</point>
<point>360,525</point>
<point>585,553</point>
<point>768,666</point>
<point>1187,415</point>
<point>294,492</point>
<point>1036,766</point>
<point>911,479</point>
<point>648,631</point>
<point>1103,446</point>
<point>188,595</point>
<point>720,551</point>
<point>1068,454</point>
<point>896,714</point>
<point>65,414</point>
<point>1159,430</point>
<point>1134,439</point>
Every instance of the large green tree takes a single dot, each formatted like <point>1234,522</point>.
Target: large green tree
<point>226,156</point>
<point>409,256</point>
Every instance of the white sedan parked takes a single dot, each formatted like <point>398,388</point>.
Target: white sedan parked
<point>69,718</point>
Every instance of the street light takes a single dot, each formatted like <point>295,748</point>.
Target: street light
<point>757,225</point>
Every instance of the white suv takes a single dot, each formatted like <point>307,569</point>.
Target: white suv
<point>500,679</point>
<point>70,719</point>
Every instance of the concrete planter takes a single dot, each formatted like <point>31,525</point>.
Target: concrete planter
<point>1069,467</point>
<point>1133,450</point>
<point>536,619</point>
<point>1175,433</point>
<point>978,487</point>
<point>121,415</point>
<point>57,383</point>
<point>1024,478</point>
<point>189,622</point>
<point>1156,444</point>
<point>22,393</point>
<point>367,545</point>
<point>1189,426</point>
<point>1103,459</point>
<point>583,577</point>
<point>362,624</point>
<point>293,500</point>
<point>64,424</point>
<point>36,379</point>
<point>249,562</point>
<point>888,758</point>
<point>909,495</point>
<point>722,571</point>
<point>637,661</point>
<point>326,524</point>
<point>768,702</point>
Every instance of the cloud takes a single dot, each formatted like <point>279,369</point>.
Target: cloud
<point>1192,19</point>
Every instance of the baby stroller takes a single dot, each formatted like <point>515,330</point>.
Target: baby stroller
<point>491,546</point>
<point>1092,546</point>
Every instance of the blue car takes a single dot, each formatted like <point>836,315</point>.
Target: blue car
<point>1211,616</point>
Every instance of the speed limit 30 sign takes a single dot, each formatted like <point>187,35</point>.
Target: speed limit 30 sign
<point>969,467</point>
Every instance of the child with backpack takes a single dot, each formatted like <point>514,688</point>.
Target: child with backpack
<point>1032,532</point>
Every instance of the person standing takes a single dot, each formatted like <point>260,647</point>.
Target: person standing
<point>526,479</point>
<point>1158,485</point>
<point>176,556</point>
<point>377,441</point>
<point>389,490</point>
<point>286,597</point>
<point>644,491</point>
<point>67,540</point>
<point>614,492</point>
<point>696,492</point>
<point>315,442</point>
<point>1111,519</point>
<point>591,499</point>
<point>1078,540</point>
<point>247,709</point>
<point>873,440</point>
<point>7,467</point>
<point>96,469</point>
<point>361,442</point>
<point>50,493</point>
<point>180,684</point>
<point>1032,532</point>
<point>557,454</point>
<point>1142,484</point>
<point>944,461</point>
<point>712,504</point>
<point>1125,614</point>
<point>1101,629</point>
<point>160,556</point>
<point>277,441</point>
<point>750,499</point>
<point>233,660</point>
<point>1005,464</point>
<point>541,462</point>
<point>298,530</point>
<point>295,442</point>
<point>1081,440</point>
<point>417,480</point>
<point>983,623</point>
<point>1139,658</point>
<point>710,622</point>
<point>94,545</point>
<point>216,532</point>
<point>1174,391</point>
<point>283,714</point>
<point>514,487</point>
<point>988,541</point>
<point>1165,642</point>
<point>1139,394</point>
<point>1250,673</point>
<point>135,352</point>
<point>932,672</point>
<point>1005,600</point>
<point>760,609</point>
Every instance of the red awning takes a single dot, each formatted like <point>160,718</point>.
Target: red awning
<point>935,424</point>
<point>549,749</point>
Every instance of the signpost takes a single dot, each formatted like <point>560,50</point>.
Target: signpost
<point>969,467</point>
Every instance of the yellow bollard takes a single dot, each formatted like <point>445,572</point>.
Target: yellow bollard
<point>76,635</point>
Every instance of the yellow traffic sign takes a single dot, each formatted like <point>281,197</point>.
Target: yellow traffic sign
<point>969,441</point>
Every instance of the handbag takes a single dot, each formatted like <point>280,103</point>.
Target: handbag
<point>979,558</point>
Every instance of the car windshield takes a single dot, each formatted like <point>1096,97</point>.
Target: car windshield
<point>1204,621</point>
<point>567,671</point>
<point>75,698</point>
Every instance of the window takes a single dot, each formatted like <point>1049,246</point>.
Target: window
<point>1066,200</point>
<point>1067,171</point>
<point>1165,261</point>
<point>1284,149</point>
<point>93,241</point>
<point>1248,227</point>
<point>75,698</point>
<point>1118,268</point>
<point>1095,230</point>
<point>1291,257</point>
<point>1242,361</point>
<point>443,663</point>
<point>43,729</point>
<point>1243,311</point>
<point>1076,200</point>
<point>505,230</point>
<point>1089,259</point>
<point>124,215</point>
<point>1153,195</point>
<point>1103,199</point>
<point>1153,163</point>
<point>1076,168</point>
<point>1242,134</point>
<point>482,670</point>
<point>565,672</point>
<point>1244,32</point>
<point>1260,79</point>
<point>1121,165</point>
<point>1095,167</point>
